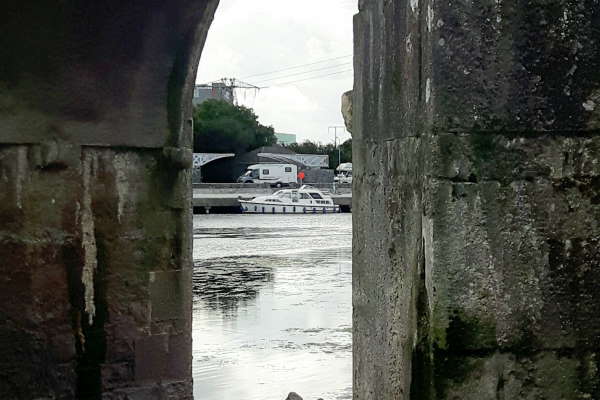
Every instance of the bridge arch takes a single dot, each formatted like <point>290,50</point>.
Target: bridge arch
<point>95,171</point>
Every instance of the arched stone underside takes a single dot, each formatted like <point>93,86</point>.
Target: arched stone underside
<point>95,210</point>
<point>477,200</point>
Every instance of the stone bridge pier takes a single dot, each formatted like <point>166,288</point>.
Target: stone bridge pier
<point>476,199</point>
<point>95,210</point>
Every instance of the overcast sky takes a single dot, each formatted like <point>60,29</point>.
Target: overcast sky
<point>250,37</point>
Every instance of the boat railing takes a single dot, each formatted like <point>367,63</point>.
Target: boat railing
<point>332,188</point>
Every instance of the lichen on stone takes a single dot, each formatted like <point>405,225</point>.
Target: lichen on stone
<point>21,173</point>
<point>88,239</point>
<point>121,167</point>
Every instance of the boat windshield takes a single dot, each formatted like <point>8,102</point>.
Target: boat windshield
<point>283,194</point>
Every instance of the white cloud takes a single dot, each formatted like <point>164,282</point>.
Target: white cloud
<point>251,37</point>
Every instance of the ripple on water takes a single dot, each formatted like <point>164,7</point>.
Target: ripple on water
<point>272,307</point>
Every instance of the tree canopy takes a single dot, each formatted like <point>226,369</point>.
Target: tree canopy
<point>221,127</point>
<point>309,147</point>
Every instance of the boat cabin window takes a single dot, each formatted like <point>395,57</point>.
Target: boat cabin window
<point>265,172</point>
<point>288,169</point>
<point>283,193</point>
<point>315,195</point>
<point>304,196</point>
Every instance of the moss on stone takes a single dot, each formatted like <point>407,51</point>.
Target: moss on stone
<point>491,159</point>
<point>397,80</point>
<point>526,343</point>
<point>484,147</point>
<point>464,337</point>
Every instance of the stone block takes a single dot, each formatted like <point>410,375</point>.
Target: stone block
<point>56,154</point>
<point>500,256</point>
<point>545,375</point>
<point>135,393</point>
<point>117,375</point>
<point>178,390</point>
<point>179,158</point>
<point>168,294</point>
<point>162,357</point>
<point>476,156</point>
<point>179,359</point>
<point>151,358</point>
<point>166,390</point>
<point>511,66</point>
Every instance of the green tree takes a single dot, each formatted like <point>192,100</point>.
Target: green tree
<point>309,147</point>
<point>221,127</point>
<point>347,151</point>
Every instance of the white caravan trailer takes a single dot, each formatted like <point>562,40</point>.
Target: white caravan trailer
<point>275,174</point>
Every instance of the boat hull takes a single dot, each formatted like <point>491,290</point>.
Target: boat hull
<point>249,207</point>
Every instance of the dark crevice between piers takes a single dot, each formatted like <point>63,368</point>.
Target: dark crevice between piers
<point>89,367</point>
<point>90,340</point>
<point>421,387</point>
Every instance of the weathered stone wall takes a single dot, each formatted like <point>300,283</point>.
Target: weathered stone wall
<point>477,200</point>
<point>95,208</point>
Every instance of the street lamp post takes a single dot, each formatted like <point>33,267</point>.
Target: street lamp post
<point>339,148</point>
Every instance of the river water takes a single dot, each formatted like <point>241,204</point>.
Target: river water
<point>272,307</point>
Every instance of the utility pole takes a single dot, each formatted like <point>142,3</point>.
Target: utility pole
<point>233,84</point>
<point>339,148</point>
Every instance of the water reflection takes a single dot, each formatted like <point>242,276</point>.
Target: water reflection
<point>223,283</point>
<point>272,307</point>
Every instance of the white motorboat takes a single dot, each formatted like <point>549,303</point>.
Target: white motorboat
<point>306,200</point>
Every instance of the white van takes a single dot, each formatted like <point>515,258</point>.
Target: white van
<point>275,174</point>
<point>344,173</point>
